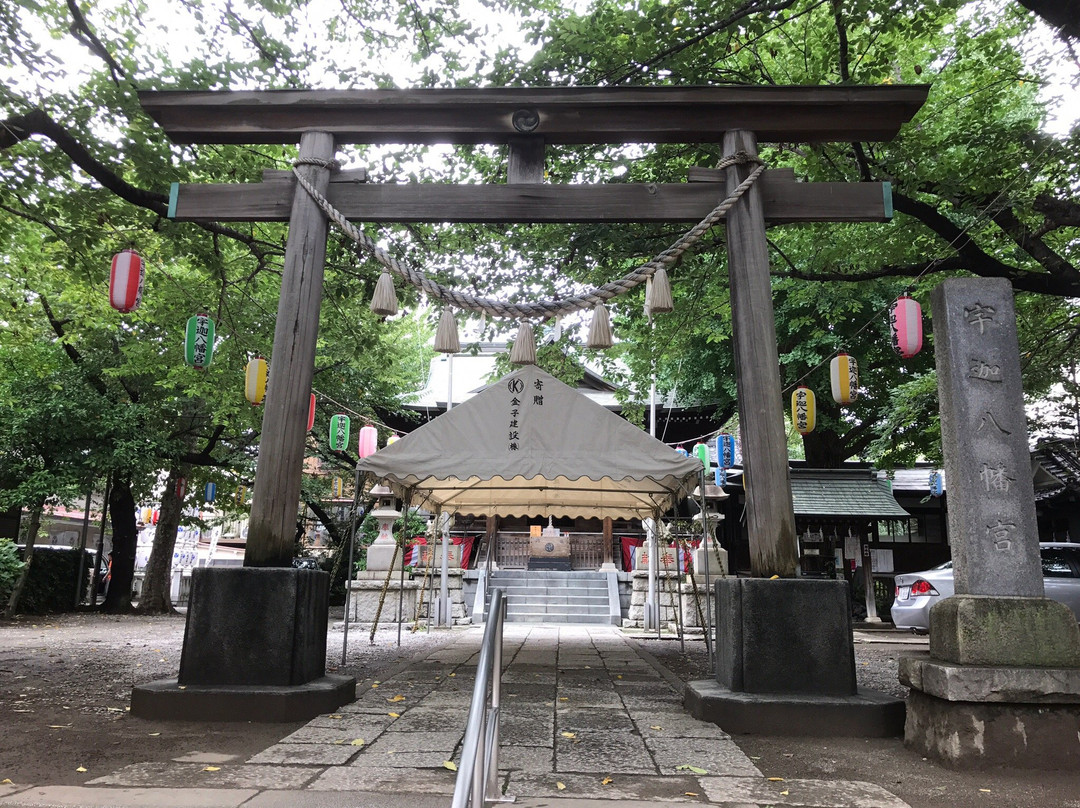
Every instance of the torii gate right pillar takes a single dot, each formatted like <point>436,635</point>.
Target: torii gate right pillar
<point>770,516</point>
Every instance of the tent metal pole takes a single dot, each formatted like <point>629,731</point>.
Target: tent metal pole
<point>444,583</point>
<point>349,571</point>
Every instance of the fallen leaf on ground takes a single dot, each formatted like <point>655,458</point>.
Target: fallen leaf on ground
<point>357,742</point>
<point>568,734</point>
<point>340,741</point>
<point>449,764</point>
<point>558,785</point>
<point>985,790</point>
<point>154,734</point>
<point>776,779</point>
<point>686,767</point>
<point>690,793</point>
<point>59,726</point>
<point>394,715</point>
<point>335,716</point>
<point>81,769</point>
<point>453,674</point>
<point>564,698</point>
<point>618,676</point>
<point>6,782</point>
<point>212,769</point>
<point>654,726</point>
<point>605,781</point>
<point>397,698</point>
<point>784,793</point>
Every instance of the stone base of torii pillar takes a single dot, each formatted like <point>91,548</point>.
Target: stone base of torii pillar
<point>785,664</point>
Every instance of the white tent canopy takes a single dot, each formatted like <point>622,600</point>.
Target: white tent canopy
<point>529,445</point>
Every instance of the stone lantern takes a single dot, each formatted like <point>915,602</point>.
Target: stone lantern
<point>710,517</point>
<point>380,554</point>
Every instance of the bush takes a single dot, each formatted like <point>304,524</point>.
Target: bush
<point>51,585</point>
<point>10,567</point>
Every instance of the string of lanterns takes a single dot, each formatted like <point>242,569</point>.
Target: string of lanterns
<point>906,326</point>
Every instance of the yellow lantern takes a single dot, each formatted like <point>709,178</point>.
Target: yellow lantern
<point>255,380</point>
<point>844,373</point>
<point>803,410</point>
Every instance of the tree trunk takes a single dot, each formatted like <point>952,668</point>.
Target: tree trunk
<point>824,449</point>
<point>125,539</point>
<point>28,557</point>
<point>156,595</point>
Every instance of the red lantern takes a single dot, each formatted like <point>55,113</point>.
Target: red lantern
<point>126,281</point>
<point>311,414</point>
<point>181,488</point>
<point>906,320</point>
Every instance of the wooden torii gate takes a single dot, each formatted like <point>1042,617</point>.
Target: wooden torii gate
<point>528,120</point>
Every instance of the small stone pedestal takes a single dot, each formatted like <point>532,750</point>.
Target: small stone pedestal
<point>1001,685</point>
<point>786,664</point>
<point>254,650</point>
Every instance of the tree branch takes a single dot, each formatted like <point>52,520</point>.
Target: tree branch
<point>57,326</point>
<point>81,30</point>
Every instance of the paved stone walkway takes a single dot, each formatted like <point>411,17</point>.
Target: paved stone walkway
<point>586,717</point>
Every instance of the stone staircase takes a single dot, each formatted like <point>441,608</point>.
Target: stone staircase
<point>545,596</point>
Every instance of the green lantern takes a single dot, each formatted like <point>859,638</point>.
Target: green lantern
<point>199,341</point>
<point>339,432</point>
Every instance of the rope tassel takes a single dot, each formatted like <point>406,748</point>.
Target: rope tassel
<point>659,293</point>
<point>600,328</point>
<point>446,336</point>
<point>384,301</point>
<point>524,350</point>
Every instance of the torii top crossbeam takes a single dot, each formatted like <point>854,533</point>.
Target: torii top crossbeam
<point>555,114</point>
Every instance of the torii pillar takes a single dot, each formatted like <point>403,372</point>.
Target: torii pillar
<point>527,120</point>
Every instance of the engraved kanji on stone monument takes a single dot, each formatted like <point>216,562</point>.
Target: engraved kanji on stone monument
<point>992,530</point>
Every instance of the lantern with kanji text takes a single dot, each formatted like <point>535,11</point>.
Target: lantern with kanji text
<point>906,322</point>
<point>199,341</point>
<point>725,450</point>
<point>803,410</point>
<point>339,432</point>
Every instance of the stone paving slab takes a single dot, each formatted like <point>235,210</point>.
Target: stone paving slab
<point>409,742</point>
<point>322,735</point>
<point>587,697</point>
<point>385,798</point>
<point>349,726</point>
<point>307,754</point>
<point>590,786</point>
<point>187,775</point>
<point>386,780</point>
<point>605,754</point>
<point>207,758</point>
<point>404,760</point>
<point>808,793</point>
<point>674,726</point>
<point>599,719</point>
<point>526,758</point>
<point>83,797</point>
<point>429,719</point>
<point>715,756</point>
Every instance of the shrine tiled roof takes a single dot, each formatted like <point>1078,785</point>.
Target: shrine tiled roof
<point>839,494</point>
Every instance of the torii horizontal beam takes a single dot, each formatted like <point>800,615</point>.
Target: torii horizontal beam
<point>558,115</point>
<point>785,200</point>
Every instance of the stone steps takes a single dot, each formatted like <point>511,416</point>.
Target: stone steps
<point>546,596</point>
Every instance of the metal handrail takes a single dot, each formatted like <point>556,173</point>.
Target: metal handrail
<point>479,770</point>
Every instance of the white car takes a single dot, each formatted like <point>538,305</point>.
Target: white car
<point>916,592</point>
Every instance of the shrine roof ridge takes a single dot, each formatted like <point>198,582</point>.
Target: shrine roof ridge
<point>555,115</point>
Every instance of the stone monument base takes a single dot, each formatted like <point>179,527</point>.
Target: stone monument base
<point>785,664</point>
<point>1003,631</point>
<point>364,596</point>
<point>254,649</point>
<point>972,716</point>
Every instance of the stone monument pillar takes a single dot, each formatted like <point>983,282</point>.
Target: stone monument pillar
<point>1002,684</point>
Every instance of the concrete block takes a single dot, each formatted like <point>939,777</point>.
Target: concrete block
<point>255,626</point>
<point>1004,631</point>
<point>784,636</point>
